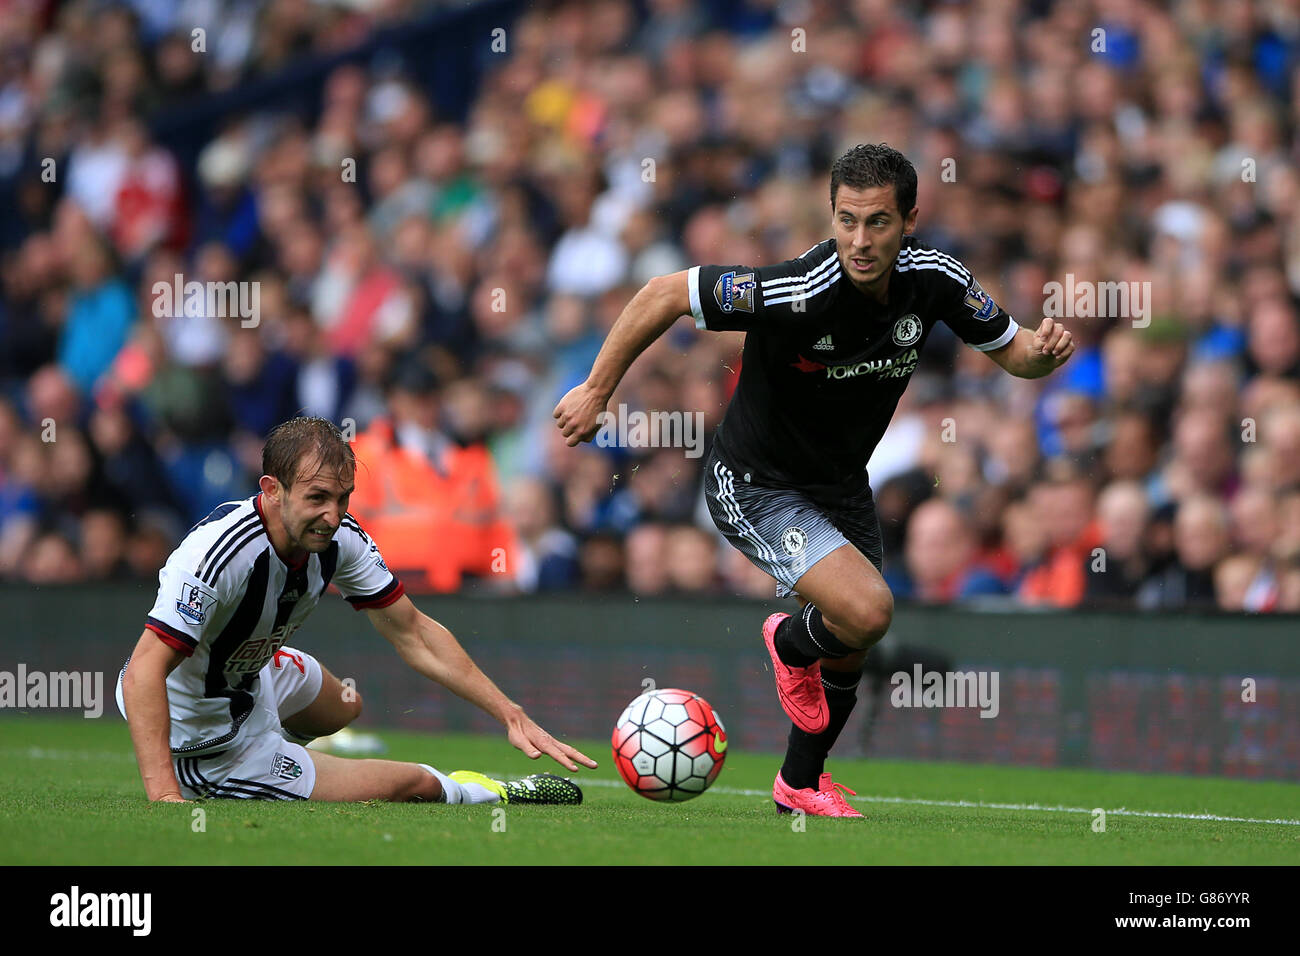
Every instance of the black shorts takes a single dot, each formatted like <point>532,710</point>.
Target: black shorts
<point>783,531</point>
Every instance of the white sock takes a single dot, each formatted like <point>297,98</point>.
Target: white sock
<point>477,793</point>
<point>453,792</point>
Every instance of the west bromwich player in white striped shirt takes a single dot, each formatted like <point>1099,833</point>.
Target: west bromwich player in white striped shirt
<point>227,601</point>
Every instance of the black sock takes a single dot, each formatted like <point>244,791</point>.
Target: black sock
<point>804,638</point>
<point>805,755</point>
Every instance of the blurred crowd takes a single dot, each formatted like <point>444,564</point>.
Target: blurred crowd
<point>440,301</point>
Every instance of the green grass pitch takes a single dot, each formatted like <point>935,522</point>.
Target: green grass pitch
<point>72,797</point>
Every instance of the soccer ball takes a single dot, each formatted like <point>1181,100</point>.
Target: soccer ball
<point>669,745</point>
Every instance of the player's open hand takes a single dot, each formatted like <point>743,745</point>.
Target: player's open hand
<point>578,414</point>
<point>525,735</point>
<point>1052,344</point>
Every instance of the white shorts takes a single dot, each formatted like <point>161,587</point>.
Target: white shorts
<point>263,766</point>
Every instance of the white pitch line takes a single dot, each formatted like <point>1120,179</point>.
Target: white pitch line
<point>47,753</point>
<point>40,753</point>
<point>979,805</point>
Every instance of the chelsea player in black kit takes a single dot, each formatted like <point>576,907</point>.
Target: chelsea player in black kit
<point>832,339</point>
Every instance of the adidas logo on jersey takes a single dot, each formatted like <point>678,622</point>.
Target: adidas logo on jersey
<point>824,344</point>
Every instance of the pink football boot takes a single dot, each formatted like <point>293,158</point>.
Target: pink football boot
<point>800,688</point>
<point>825,801</point>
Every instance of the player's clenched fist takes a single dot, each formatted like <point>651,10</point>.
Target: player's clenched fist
<point>578,414</point>
<point>1052,344</point>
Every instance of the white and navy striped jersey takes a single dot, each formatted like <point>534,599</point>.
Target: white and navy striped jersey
<point>824,365</point>
<point>227,601</point>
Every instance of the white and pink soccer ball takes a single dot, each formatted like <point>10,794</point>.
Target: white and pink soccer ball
<point>669,745</point>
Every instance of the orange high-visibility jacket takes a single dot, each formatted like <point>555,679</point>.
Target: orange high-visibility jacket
<point>1061,580</point>
<point>438,524</point>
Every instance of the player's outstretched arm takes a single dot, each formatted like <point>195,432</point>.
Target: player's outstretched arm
<point>432,650</point>
<point>652,311</point>
<point>1035,354</point>
<point>144,692</point>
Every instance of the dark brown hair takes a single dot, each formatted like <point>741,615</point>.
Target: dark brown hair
<point>876,164</point>
<point>299,441</point>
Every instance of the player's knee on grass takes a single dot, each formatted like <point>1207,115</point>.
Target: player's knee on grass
<point>411,783</point>
<point>424,786</point>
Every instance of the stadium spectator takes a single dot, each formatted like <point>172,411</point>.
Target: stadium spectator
<point>1202,461</point>
<point>72,485</point>
<point>323,382</point>
<point>602,563</point>
<point>1210,386</point>
<point>1274,339</point>
<point>1024,542</point>
<point>547,555</point>
<point>435,503</point>
<point>260,388</point>
<point>21,474</point>
<point>659,487</point>
<point>103,542</point>
<point>100,313</point>
<point>743,578</point>
<point>227,206</point>
<point>1290,589</point>
<point>1114,576</point>
<point>1012,457</point>
<point>131,466</point>
<point>1286,546</point>
<point>1233,580</point>
<point>941,558</point>
<point>1280,433</point>
<point>1131,452</point>
<point>148,208</point>
<point>692,560</point>
<point>1253,512</point>
<point>1063,505</point>
<point>153,537</point>
<point>359,299</point>
<point>52,559</point>
<point>647,559</point>
<point>1201,539</point>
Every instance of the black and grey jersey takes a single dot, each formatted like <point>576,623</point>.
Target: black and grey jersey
<point>228,602</point>
<point>824,365</point>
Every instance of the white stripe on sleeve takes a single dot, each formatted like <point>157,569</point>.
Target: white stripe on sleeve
<point>693,289</point>
<point>1001,340</point>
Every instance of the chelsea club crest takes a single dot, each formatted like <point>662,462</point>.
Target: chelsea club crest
<point>907,330</point>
